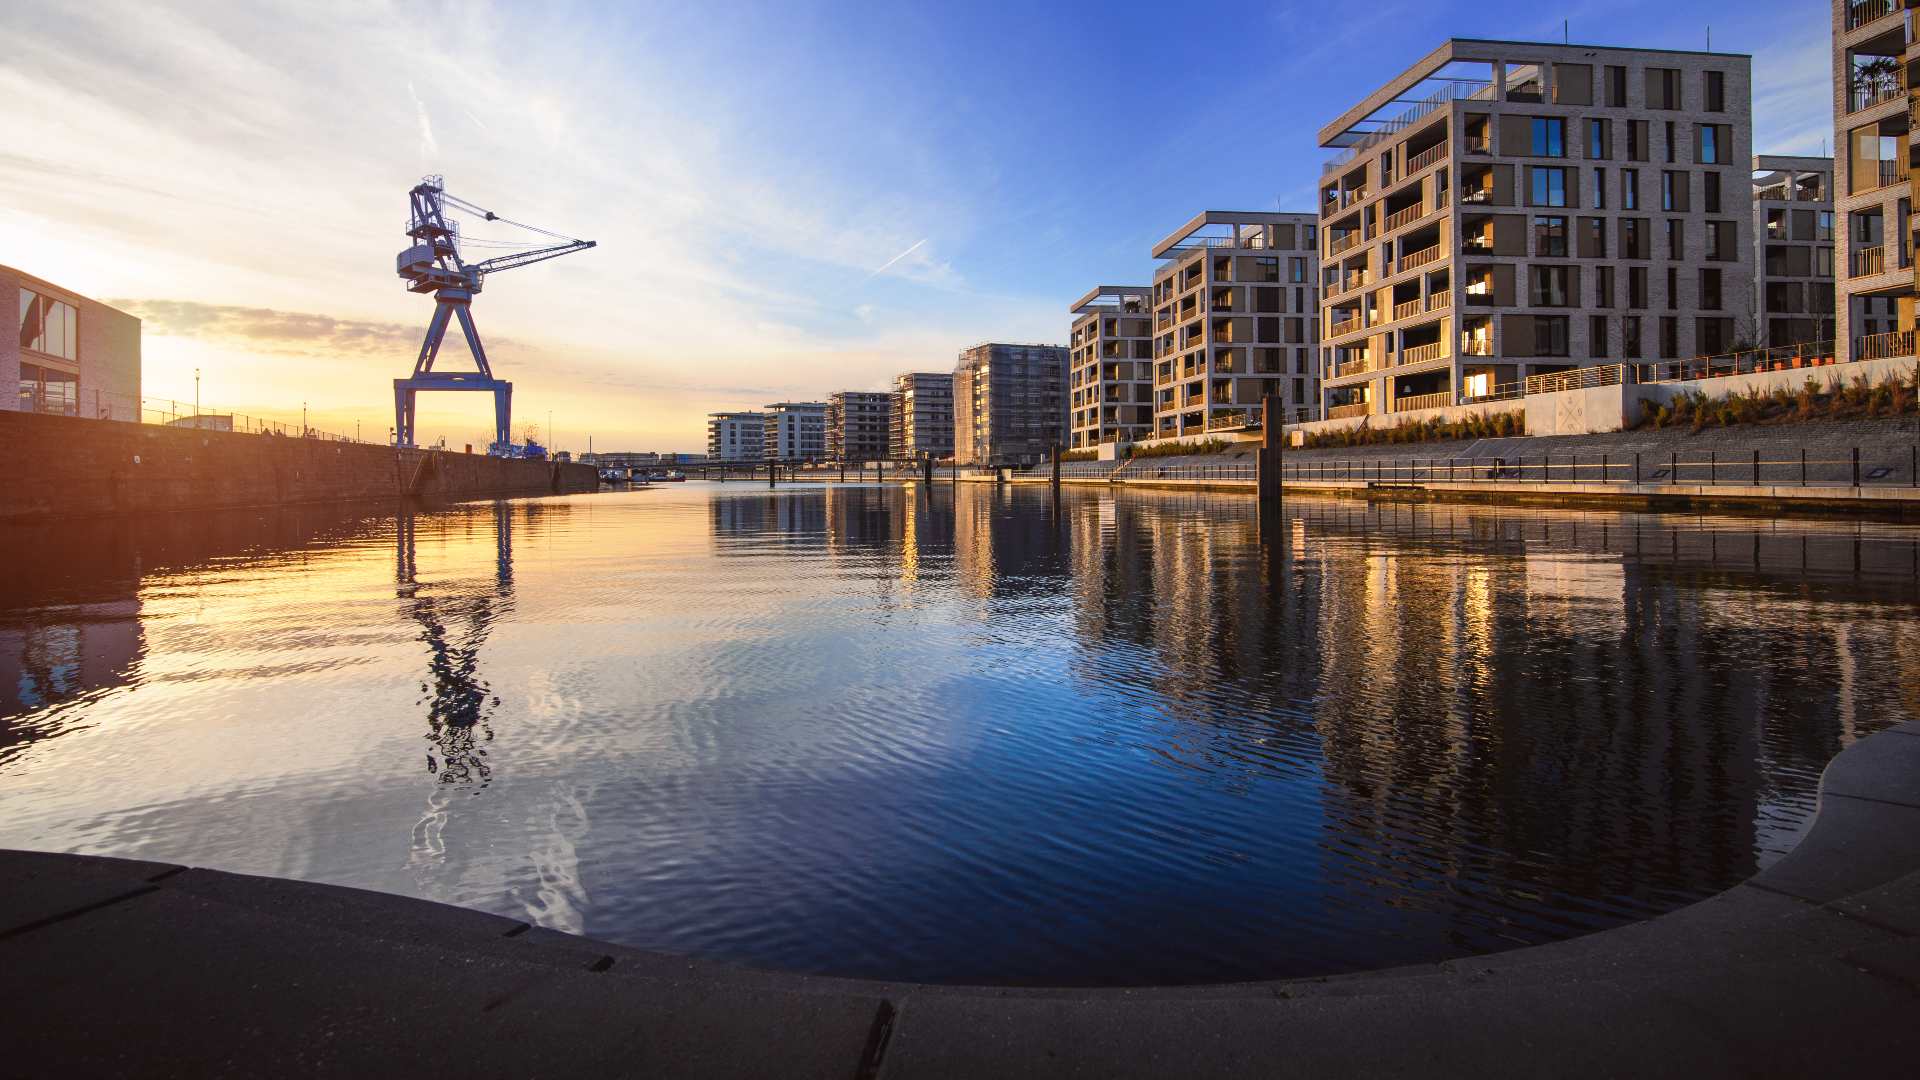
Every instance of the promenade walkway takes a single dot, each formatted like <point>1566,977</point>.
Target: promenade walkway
<point>111,967</point>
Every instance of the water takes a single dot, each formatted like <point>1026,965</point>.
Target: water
<point>981,738</point>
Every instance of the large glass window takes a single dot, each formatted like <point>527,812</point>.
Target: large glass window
<point>1550,335</point>
<point>1549,187</point>
<point>49,390</point>
<point>1549,136</point>
<point>49,326</point>
<point>1550,286</point>
<point>1550,237</point>
<point>1709,143</point>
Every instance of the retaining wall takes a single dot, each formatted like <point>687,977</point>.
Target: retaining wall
<point>66,466</point>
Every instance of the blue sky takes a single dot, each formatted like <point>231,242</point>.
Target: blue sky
<point>790,199</point>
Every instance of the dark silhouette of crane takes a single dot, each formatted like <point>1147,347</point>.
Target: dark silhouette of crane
<point>433,264</point>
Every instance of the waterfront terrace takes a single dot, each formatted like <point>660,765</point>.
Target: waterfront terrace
<point>1506,209</point>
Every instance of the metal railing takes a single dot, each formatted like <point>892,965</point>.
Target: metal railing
<point>1232,421</point>
<point>1883,346</point>
<point>1497,392</point>
<point>1355,367</point>
<point>1886,465</point>
<point>1439,400</point>
<point>1346,326</point>
<point>1420,354</point>
<point>1866,97</point>
<point>1578,379</point>
<point>1408,309</point>
<point>1865,11</point>
<point>1421,257</point>
<point>1436,301</point>
<point>1867,262</point>
<point>1403,216</point>
<point>166,412</point>
<point>1342,243</point>
<point>1144,469</point>
<point>1747,362</point>
<point>1341,412</point>
<point>1451,91</point>
<point>1424,158</point>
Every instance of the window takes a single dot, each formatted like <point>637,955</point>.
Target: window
<point>1823,262</point>
<point>1636,287</point>
<point>1550,286</point>
<point>1597,336</point>
<point>1824,229</point>
<point>1663,88</point>
<point>1673,288</point>
<point>1633,240</point>
<point>1630,338</point>
<point>1667,199</point>
<point>1594,244</point>
<point>1265,268</point>
<point>1710,182</point>
<point>1550,237</point>
<point>1636,140</point>
<point>1708,152</point>
<point>1616,87</point>
<point>1721,236</point>
<point>1297,270</point>
<point>1670,140</point>
<point>1669,337</point>
<point>1597,139</point>
<point>49,390</point>
<point>1549,136</point>
<point>1676,240</point>
<point>1710,289</point>
<point>1603,287</point>
<point>1629,189</point>
<point>49,326</point>
<point>1599,189</point>
<point>1549,186</point>
<point>1550,335</point>
<point>1716,91</point>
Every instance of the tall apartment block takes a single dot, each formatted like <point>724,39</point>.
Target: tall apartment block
<point>922,417</point>
<point>857,425</point>
<point>1110,381</point>
<point>795,431</point>
<point>1234,319</point>
<point>1793,249</point>
<point>1537,207</point>
<point>1009,404</point>
<point>1874,61</point>
<point>736,436</point>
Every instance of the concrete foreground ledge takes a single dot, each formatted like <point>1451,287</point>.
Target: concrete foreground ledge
<point>114,967</point>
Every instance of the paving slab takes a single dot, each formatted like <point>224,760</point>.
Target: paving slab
<point>1854,845</point>
<point>1888,772</point>
<point>36,887</point>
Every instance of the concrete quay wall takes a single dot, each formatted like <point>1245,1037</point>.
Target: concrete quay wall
<point>70,467</point>
<point>1811,968</point>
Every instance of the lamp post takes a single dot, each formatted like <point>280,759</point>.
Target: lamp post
<point>196,397</point>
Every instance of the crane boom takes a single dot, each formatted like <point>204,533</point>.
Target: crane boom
<point>528,258</point>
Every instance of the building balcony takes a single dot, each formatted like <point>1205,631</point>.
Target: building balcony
<point>1883,346</point>
<point>1356,366</point>
<point>1423,401</point>
<point>1422,257</point>
<point>1343,243</point>
<point>1341,412</point>
<point>1865,12</point>
<point>1862,98</point>
<point>1406,216</point>
<point>1346,326</point>
<point>1472,346</point>
<point>1867,262</point>
<point>1409,309</point>
<point>1421,354</point>
<point>1440,300</point>
<point>1475,196</point>
<point>1429,156</point>
<point>1885,174</point>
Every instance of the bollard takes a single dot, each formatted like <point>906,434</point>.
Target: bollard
<point>1673,467</point>
<point>1803,466</point>
<point>1713,470</point>
<point>1856,466</point>
<point>1756,468</point>
<point>1636,467</point>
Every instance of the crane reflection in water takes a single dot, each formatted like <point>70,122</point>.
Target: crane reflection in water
<point>455,618</point>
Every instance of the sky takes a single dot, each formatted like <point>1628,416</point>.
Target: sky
<point>789,199</point>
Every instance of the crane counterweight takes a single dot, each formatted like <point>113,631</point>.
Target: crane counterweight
<point>433,264</point>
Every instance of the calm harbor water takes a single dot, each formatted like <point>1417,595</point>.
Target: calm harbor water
<point>975,736</point>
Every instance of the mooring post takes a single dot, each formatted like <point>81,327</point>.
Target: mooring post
<point>843,468</point>
<point>773,469</point>
<point>880,471</point>
<point>1267,480</point>
<point>926,468</point>
<point>1856,466</point>
<point>1056,466</point>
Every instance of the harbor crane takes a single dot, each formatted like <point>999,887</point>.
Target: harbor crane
<point>433,264</point>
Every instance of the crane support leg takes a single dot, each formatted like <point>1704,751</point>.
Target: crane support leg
<point>452,304</point>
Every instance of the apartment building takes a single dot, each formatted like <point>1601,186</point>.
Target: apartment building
<point>1793,249</point>
<point>67,354</point>
<point>1538,207</point>
<point>736,436</point>
<point>1009,404</point>
<point>922,417</point>
<point>1874,61</point>
<point>857,425</point>
<point>1234,318</point>
<point>1110,378</point>
<point>795,431</point>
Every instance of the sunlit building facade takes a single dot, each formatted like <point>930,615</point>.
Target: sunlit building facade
<point>736,436</point>
<point>795,431</point>
<point>1876,58</point>
<point>1793,249</point>
<point>1110,384</point>
<point>922,417</point>
<point>857,425</point>
<point>66,354</point>
<point>1009,404</point>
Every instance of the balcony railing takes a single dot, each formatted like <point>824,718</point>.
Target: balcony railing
<point>1476,195</point>
<point>1866,11</point>
<point>1439,300</point>
<point>1470,346</point>
<point>1497,392</point>
<point>1408,310</point>
<point>1354,367</point>
<point>1421,354</point>
<point>1868,261</point>
<point>1577,379</point>
<point>1479,146</point>
<point>1355,280</point>
<point>1886,173</point>
<point>1231,421</point>
<point>1423,401</point>
<point>1421,257</point>
<point>1866,97</point>
<point>1404,216</point>
<point>1345,326</point>
<point>1452,90</point>
<point>1884,346</point>
<point>1427,157</point>
<point>1341,412</point>
<point>1342,243</point>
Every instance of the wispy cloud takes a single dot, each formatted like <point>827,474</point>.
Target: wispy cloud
<point>429,147</point>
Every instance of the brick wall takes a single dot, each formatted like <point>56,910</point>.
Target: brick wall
<point>63,466</point>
